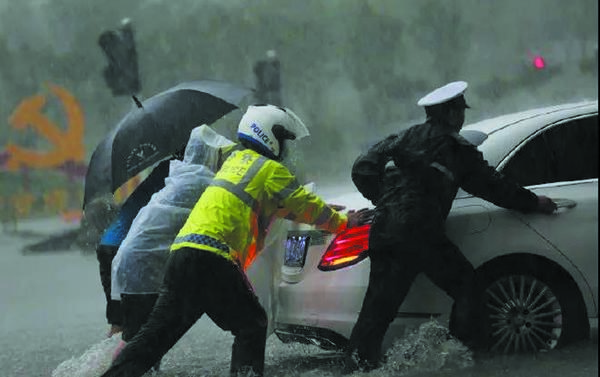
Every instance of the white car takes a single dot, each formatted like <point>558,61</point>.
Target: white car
<point>539,272</point>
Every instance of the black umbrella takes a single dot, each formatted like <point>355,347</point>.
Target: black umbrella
<point>157,129</point>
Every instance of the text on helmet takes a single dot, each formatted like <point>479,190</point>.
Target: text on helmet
<point>261,134</point>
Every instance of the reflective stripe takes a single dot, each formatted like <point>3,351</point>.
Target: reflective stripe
<point>252,171</point>
<point>200,239</point>
<point>324,216</point>
<point>288,190</point>
<point>239,190</point>
<point>443,169</point>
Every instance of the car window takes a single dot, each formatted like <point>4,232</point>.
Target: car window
<point>566,152</point>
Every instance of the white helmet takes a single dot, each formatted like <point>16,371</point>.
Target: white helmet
<point>266,126</point>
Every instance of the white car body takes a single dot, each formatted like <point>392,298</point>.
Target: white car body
<point>309,305</point>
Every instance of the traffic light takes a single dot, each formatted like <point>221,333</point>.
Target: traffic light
<point>121,74</point>
<point>268,79</point>
<point>538,62</point>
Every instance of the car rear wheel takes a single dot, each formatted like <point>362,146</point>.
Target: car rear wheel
<point>523,314</point>
<point>529,309</point>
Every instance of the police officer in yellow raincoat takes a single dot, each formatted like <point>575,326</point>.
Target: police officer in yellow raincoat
<point>222,236</point>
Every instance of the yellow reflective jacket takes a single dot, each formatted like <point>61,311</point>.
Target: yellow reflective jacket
<point>232,215</point>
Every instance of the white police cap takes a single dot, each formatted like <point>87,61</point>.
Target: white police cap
<point>444,94</point>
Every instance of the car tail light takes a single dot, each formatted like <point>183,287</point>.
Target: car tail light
<point>346,249</point>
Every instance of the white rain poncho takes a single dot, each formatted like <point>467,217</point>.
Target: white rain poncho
<point>139,263</point>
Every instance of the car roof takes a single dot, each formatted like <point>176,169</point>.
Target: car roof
<point>541,115</point>
<point>506,132</point>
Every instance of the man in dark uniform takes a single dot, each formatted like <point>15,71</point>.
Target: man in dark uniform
<point>426,164</point>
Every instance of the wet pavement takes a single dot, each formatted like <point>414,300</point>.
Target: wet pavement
<point>51,313</point>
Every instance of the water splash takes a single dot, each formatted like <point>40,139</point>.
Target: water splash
<point>429,348</point>
<point>92,363</point>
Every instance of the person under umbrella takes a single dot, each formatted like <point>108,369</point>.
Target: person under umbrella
<point>155,129</point>
<point>138,266</point>
<point>221,237</point>
<point>154,132</point>
<point>99,213</point>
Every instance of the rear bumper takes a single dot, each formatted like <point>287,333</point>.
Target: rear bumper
<point>323,300</point>
<point>321,308</point>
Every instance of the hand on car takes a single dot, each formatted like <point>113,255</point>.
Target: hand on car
<point>546,205</point>
<point>361,217</point>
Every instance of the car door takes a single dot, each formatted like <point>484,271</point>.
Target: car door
<point>561,162</point>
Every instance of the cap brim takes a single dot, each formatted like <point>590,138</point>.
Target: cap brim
<point>446,93</point>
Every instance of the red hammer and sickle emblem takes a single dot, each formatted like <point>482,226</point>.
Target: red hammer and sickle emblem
<point>68,144</point>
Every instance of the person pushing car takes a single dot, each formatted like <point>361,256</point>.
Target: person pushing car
<point>221,237</point>
<point>114,222</point>
<point>138,266</point>
<point>412,178</point>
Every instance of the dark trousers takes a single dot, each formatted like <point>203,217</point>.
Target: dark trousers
<point>105,255</point>
<point>393,270</point>
<point>198,282</point>
<point>135,309</point>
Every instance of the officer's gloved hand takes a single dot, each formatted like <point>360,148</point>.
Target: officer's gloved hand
<point>546,205</point>
<point>361,217</point>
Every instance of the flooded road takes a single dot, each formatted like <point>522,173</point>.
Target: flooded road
<point>51,313</point>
